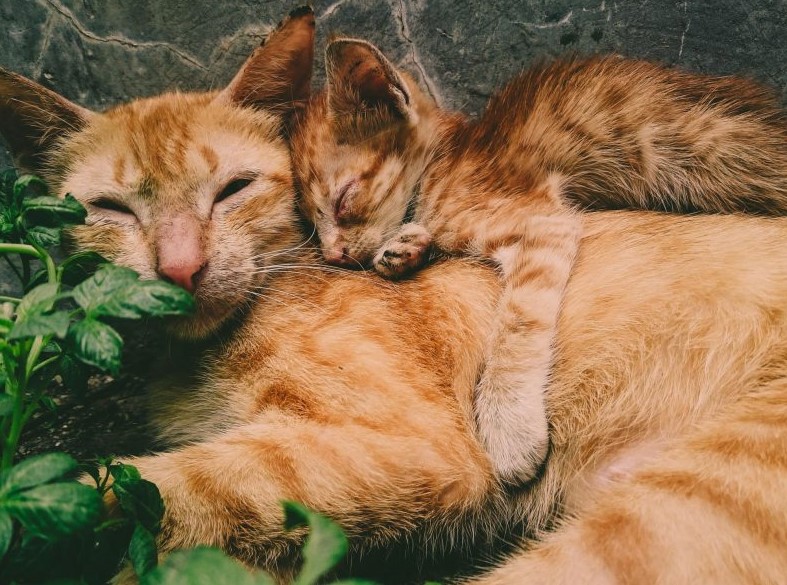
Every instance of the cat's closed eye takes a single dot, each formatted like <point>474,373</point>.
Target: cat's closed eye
<point>233,187</point>
<point>114,207</point>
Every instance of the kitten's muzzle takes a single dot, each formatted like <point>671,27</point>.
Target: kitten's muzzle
<point>341,257</point>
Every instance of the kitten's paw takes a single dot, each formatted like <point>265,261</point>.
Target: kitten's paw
<point>404,253</point>
<point>513,428</point>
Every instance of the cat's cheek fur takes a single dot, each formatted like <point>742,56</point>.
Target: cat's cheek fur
<point>122,245</point>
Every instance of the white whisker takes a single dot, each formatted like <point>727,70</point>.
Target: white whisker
<point>261,294</point>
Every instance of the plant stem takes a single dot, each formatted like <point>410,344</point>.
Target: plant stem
<point>21,413</point>
<point>46,362</point>
<point>51,269</point>
<point>23,249</point>
<point>9,449</point>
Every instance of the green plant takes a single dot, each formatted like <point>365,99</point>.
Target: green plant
<point>58,324</point>
<point>52,526</point>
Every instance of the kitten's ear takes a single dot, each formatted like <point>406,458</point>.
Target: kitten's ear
<point>33,118</point>
<point>278,75</point>
<point>361,79</point>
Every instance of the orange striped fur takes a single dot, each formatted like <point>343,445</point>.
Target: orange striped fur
<point>354,395</point>
<point>385,173</point>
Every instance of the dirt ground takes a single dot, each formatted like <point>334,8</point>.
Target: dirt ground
<point>109,419</point>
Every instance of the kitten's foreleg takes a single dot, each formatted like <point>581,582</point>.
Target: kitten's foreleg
<point>509,406</point>
<point>404,253</point>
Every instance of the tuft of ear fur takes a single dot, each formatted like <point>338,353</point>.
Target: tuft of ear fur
<point>363,82</point>
<point>277,76</point>
<point>33,118</point>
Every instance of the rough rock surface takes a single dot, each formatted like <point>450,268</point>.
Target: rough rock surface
<point>100,53</point>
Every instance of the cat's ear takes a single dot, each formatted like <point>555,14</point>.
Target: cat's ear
<point>33,118</point>
<point>277,77</point>
<point>362,79</point>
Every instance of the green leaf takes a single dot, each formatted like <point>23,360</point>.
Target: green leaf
<point>41,324</point>
<point>117,292</point>
<point>124,474</point>
<point>6,532</point>
<point>157,298</point>
<point>325,546</point>
<point>7,225</point>
<point>100,289</point>
<point>96,344</point>
<point>142,501</point>
<point>28,186</point>
<point>53,211</point>
<point>55,510</point>
<point>142,550</point>
<point>7,180</point>
<point>203,566</point>
<point>36,470</point>
<point>6,404</point>
<point>80,266</point>
<point>39,300</point>
<point>42,236</point>
<point>92,470</point>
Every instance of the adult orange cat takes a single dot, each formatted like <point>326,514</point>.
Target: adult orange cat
<point>385,173</point>
<point>352,394</point>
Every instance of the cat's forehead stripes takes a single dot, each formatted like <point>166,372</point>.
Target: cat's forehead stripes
<point>159,133</point>
<point>210,157</point>
<point>168,147</point>
<point>119,170</point>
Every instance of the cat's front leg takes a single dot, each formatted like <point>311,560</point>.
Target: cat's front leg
<point>227,492</point>
<point>404,253</point>
<point>509,402</point>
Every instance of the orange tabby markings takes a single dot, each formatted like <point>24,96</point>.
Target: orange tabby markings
<point>597,132</point>
<point>353,394</point>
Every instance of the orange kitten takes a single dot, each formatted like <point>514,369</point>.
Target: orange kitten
<point>385,175</point>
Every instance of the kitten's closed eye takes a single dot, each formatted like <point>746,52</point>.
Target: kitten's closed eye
<point>342,208</point>
<point>235,186</point>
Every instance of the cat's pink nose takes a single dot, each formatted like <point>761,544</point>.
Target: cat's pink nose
<point>181,259</point>
<point>185,274</point>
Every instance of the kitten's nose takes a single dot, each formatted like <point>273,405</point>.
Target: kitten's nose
<point>338,257</point>
<point>186,274</point>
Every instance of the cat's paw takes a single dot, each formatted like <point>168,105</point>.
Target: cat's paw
<point>512,426</point>
<point>407,251</point>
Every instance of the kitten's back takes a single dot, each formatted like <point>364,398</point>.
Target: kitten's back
<point>633,134</point>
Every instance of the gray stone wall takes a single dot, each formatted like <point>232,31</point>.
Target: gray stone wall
<point>101,52</point>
